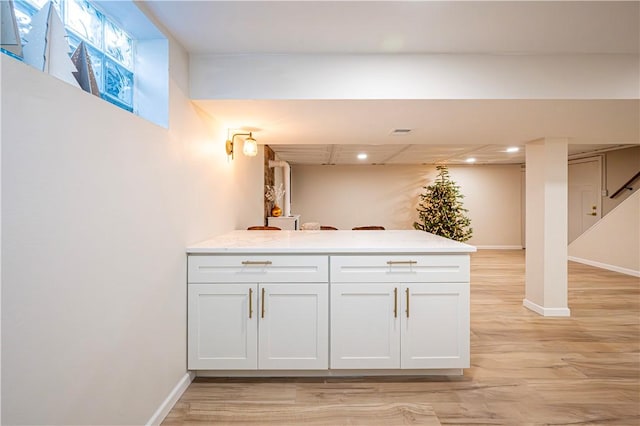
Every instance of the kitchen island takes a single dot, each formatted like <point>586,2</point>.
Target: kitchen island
<point>277,303</point>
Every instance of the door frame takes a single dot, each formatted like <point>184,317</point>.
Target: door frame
<point>598,159</point>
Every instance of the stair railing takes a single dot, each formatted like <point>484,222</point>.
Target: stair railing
<point>626,185</point>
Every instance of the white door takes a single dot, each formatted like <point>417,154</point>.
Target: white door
<point>435,325</point>
<point>584,195</point>
<point>365,326</point>
<point>293,326</point>
<point>222,327</point>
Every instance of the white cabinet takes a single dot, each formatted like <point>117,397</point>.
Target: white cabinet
<point>435,325</point>
<point>254,268</point>
<point>222,327</point>
<point>293,327</point>
<point>365,328</point>
<point>321,311</point>
<point>400,268</point>
<point>396,324</point>
<point>257,325</point>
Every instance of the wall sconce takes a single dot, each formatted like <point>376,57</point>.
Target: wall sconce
<point>250,147</point>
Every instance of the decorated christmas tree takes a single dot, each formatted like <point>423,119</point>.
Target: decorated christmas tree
<point>440,209</point>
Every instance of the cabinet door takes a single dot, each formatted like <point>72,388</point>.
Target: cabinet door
<point>435,325</point>
<point>365,325</point>
<point>293,326</point>
<point>222,327</point>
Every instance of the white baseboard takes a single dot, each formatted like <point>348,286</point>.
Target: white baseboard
<point>331,373</point>
<point>171,399</point>
<point>613,268</point>
<point>546,312</point>
<point>499,247</point>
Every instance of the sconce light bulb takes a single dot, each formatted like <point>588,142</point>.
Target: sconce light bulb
<point>250,147</point>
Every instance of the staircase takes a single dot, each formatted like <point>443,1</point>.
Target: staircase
<point>613,243</point>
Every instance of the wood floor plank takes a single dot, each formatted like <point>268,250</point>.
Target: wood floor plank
<point>341,413</point>
<point>525,369</point>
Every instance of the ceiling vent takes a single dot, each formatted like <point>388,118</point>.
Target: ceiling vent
<point>400,132</point>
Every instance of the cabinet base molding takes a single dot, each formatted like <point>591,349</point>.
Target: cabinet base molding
<point>329,373</point>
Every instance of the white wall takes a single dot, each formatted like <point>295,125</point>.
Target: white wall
<point>414,76</point>
<point>348,196</point>
<point>614,241</point>
<point>248,189</point>
<point>97,208</point>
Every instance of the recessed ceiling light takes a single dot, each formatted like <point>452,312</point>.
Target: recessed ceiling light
<point>513,149</point>
<point>362,156</point>
<point>470,160</point>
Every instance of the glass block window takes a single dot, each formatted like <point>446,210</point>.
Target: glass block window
<point>39,3</point>
<point>84,20</point>
<point>118,82</point>
<point>118,44</point>
<point>24,22</point>
<point>110,48</point>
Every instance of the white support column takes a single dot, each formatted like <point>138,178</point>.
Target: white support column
<point>546,227</point>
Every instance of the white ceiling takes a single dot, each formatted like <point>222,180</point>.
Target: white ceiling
<point>299,130</point>
<point>416,154</point>
<point>401,26</point>
<point>315,131</point>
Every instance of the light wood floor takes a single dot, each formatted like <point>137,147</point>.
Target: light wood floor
<point>525,369</point>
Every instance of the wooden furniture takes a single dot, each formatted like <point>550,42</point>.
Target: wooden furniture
<point>260,301</point>
<point>263,228</point>
<point>328,228</point>
<point>368,228</point>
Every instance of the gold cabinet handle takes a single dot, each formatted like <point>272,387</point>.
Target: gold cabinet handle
<point>262,314</point>
<point>250,302</point>
<point>407,302</point>
<point>592,214</point>
<point>395,302</point>
<point>401,262</point>
<point>256,262</point>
